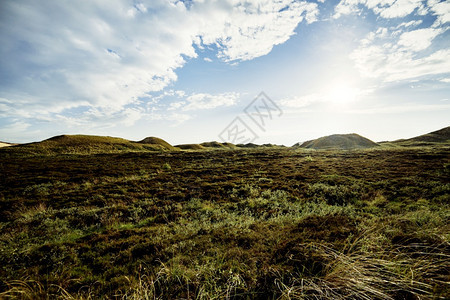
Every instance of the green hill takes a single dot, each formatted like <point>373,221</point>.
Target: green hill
<point>190,147</point>
<point>229,145</point>
<point>213,145</point>
<point>157,142</point>
<point>84,144</point>
<point>206,146</point>
<point>248,145</point>
<point>441,136</point>
<point>339,141</point>
<point>217,145</point>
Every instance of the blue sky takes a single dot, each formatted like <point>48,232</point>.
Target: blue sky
<point>185,70</point>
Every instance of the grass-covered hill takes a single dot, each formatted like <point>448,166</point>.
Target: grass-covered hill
<point>207,146</point>
<point>158,143</point>
<point>248,145</point>
<point>339,141</point>
<point>441,136</point>
<point>218,145</point>
<point>89,144</point>
<point>190,147</point>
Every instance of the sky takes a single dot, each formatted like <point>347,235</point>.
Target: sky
<point>191,71</point>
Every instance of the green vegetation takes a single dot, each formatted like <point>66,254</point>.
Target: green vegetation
<point>190,147</point>
<point>438,137</point>
<point>88,144</point>
<point>263,223</point>
<point>212,145</point>
<point>207,146</point>
<point>157,142</point>
<point>339,141</point>
<point>218,145</point>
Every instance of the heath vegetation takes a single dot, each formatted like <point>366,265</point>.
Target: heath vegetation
<point>263,223</point>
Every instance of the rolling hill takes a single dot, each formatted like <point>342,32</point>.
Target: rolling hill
<point>441,136</point>
<point>218,145</point>
<point>89,144</point>
<point>157,142</point>
<point>190,147</point>
<point>339,141</point>
<point>206,146</point>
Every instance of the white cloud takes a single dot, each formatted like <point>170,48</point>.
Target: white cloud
<point>177,118</point>
<point>251,28</point>
<point>207,59</point>
<point>397,9</point>
<point>301,101</point>
<point>108,54</point>
<point>419,39</point>
<point>413,23</point>
<point>394,56</point>
<point>176,105</point>
<point>441,10</point>
<point>205,101</point>
<point>383,8</point>
<point>131,116</point>
<point>16,126</point>
<point>197,101</point>
<point>401,52</point>
<point>346,7</point>
<point>10,132</point>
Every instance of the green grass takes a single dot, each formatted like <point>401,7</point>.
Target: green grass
<point>267,223</point>
<point>339,141</point>
<point>88,144</point>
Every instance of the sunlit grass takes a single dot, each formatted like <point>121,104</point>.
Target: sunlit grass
<point>282,224</point>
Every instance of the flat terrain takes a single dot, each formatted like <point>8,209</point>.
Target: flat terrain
<point>241,224</point>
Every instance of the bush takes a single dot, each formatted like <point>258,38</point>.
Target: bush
<point>334,194</point>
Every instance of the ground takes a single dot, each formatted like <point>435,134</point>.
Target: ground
<point>262,223</point>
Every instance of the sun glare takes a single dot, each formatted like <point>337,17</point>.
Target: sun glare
<point>342,94</point>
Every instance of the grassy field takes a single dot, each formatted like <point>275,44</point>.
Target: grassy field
<point>226,224</point>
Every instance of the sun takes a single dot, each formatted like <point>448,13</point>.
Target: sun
<point>342,94</point>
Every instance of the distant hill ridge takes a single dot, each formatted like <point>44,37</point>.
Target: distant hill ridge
<point>206,146</point>
<point>157,141</point>
<point>190,147</point>
<point>339,141</point>
<point>438,136</point>
<point>89,144</point>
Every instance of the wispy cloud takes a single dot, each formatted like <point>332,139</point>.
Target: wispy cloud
<point>393,57</point>
<point>251,28</point>
<point>383,8</point>
<point>301,101</point>
<point>202,101</point>
<point>418,40</point>
<point>69,54</point>
<point>441,10</point>
<point>405,51</point>
<point>116,67</point>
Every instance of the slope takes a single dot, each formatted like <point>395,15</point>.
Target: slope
<point>339,141</point>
